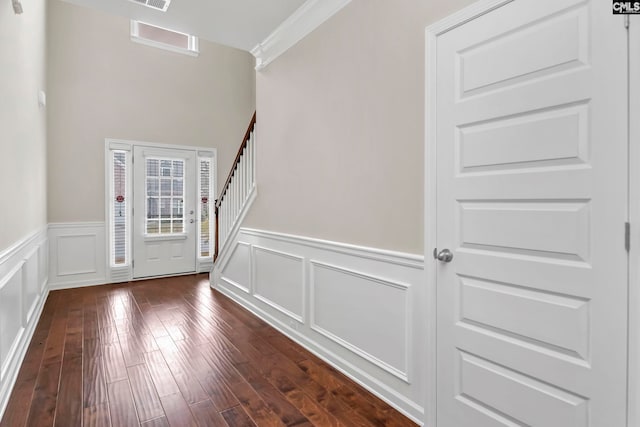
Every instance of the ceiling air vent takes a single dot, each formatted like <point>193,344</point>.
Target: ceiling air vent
<point>162,5</point>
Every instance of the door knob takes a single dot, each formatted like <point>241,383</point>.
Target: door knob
<point>444,255</point>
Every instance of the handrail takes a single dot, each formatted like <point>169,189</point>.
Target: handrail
<point>245,139</point>
<point>223,193</point>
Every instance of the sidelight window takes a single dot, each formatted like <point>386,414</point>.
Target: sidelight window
<point>205,209</point>
<point>119,207</point>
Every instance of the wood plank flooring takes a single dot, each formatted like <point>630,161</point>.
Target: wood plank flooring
<point>172,352</point>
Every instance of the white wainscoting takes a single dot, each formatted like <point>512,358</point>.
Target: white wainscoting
<point>77,255</point>
<point>366,314</point>
<point>358,308</point>
<point>280,278</point>
<point>235,272</point>
<point>23,291</point>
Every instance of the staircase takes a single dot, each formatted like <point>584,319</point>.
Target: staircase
<point>238,192</point>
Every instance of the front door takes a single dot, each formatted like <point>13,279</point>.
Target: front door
<point>532,203</point>
<point>164,229</point>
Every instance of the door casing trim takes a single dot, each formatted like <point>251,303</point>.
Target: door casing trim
<point>128,145</point>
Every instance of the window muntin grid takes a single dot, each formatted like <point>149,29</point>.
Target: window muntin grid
<point>164,207</point>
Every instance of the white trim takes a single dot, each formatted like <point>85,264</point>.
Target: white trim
<point>279,253</point>
<point>255,248</point>
<point>4,281</point>
<point>386,282</point>
<point>109,148</point>
<point>28,311</point>
<point>117,145</point>
<point>6,254</point>
<point>220,266</point>
<point>281,309</point>
<point>244,210</point>
<point>338,363</point>
<point>128,144</point>
<point>235,284</point>
<point>303,21</point>
<point>633,404</point>
<point>20,351</point>
<point>91,270</point>
<point>210,153</point>
<point>432,32</point>
<point>79,284</point>
<point>95,273</point>
<point>12,262</point>
<point>469,13</point>
<point>75,225</point>
<point>163,237</point>
<point>399,384</point>
<point>205,265</point>
<point>403,375</point>
<point>393,257</point>
<point>213,195</point>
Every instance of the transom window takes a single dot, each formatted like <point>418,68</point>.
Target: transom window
<point>165,196</point>
<point>163,38</point>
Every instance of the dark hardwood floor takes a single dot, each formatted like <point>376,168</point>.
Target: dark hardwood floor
<point>172,352</point>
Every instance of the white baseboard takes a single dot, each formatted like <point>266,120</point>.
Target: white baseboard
<point>79,257</point>
<point>355,307</point>
<point>23,292</point>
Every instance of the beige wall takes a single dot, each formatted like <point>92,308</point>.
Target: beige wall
<point>23,144</point>
<point>341,128</point>
<point>102,85</point>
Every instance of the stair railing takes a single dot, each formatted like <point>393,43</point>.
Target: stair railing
<point>237,189</point>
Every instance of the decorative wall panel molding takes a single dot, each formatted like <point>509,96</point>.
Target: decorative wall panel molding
<point>279,281</point>
<point>23,291</point>
<point>234,272</point>
<point>368,315</point>
<point>355,307</point>
<point>77,254</point>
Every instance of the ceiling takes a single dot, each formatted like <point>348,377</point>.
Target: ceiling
<point>238,23</point>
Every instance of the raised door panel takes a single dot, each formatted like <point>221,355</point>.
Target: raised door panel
<point>531,199</point>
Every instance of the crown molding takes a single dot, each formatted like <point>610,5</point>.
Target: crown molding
<point>303,21</point>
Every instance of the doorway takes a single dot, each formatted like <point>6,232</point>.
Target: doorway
<point>159,204</point>
<point>164,230</point>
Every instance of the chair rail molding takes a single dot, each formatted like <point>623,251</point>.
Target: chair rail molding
<point>23,291</point>
<point>303,21</point>
<point>355,307</point>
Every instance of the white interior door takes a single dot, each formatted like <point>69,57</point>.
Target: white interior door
<point>532,203</point>
<point>164,217</point>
